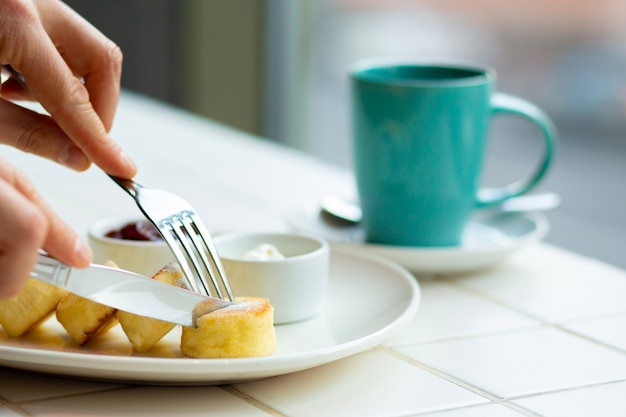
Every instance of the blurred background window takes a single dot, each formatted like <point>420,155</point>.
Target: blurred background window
<point>278,69</point>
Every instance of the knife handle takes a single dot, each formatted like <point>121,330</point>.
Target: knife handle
<point>51,270</point>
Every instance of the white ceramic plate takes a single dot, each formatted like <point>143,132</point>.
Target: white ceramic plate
<point>490,237</point>
<point>369,298</point>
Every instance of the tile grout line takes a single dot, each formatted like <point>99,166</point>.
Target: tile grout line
<point>468,336</point>
<point>525,412</point>
<point>520,409</point>
<point>551,324</point>
<point>484,296</point>
<point>251,400</point>
<point>588,338</point>
<point>13,407</point>
<point>559,390</point>
<point>77,394</point>
<point>443,375</point>
<point>493,399</point>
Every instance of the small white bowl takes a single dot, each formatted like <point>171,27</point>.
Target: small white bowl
<point>145,257</point>
<point>296,285</point>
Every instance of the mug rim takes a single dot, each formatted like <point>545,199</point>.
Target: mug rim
<point>484,74</point>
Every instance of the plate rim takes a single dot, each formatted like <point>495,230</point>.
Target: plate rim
<point>193,371</point>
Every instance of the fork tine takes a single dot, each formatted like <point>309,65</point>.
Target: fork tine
<point>209,247</point>
<point>208,267</point>
<point>172,240</point>
<point>183,234</point>
<point>187,230</point>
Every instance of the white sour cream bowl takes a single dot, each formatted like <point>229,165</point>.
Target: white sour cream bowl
<point>290,270</point>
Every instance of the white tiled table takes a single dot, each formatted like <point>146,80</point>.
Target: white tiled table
<point>539,335</point>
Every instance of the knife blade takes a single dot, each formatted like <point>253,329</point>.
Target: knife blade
<point>125,290</point>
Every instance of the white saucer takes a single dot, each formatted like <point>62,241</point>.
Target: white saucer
<point>369,298</point>
<point>490,237</point>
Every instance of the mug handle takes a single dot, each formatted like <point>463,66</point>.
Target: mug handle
<point>504,103</point>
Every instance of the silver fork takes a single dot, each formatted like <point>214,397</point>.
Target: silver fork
<point>185,234</point>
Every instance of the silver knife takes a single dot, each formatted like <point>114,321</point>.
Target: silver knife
<point>124,290</point>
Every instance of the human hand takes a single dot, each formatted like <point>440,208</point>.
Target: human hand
<point>74,72</point>
<point>27,224</point>
<point>54,49</point>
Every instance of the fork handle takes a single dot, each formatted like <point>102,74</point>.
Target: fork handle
<point>127,185</point>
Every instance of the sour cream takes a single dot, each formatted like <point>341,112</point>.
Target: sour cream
<point>263,252</point>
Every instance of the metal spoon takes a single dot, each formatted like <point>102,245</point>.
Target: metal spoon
<point>350,212</point>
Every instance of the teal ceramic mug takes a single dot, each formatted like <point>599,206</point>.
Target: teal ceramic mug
<point>419,136</point>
